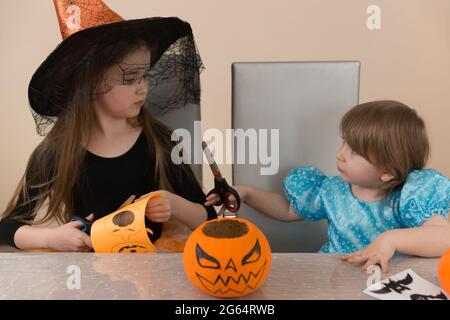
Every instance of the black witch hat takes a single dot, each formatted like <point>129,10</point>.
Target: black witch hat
<point>87,27</point>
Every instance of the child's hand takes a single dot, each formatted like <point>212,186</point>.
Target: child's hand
<point>214,199</point>
<point>69,237</point>
<point>160,208</point>
<point>380,251</point>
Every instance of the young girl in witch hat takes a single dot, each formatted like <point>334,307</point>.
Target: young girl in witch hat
<point>102,144</point>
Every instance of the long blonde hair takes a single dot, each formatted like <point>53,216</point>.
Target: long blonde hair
<point>53,168</point>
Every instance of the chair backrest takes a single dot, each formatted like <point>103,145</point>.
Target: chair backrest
<point>305,101</point>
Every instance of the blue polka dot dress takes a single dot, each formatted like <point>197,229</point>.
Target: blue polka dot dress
<point>353,223</point>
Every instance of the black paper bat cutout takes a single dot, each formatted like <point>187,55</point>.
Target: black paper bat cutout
<point>440,296</point>
<point>396,286</point>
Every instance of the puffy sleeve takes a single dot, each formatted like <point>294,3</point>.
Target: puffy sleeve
<point>424,194</point>
<point>301,188</point>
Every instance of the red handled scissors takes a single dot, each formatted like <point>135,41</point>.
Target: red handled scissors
<point>221,187</point>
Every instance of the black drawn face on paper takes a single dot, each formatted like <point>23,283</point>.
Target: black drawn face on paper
<point>123,224</point>
<point>133,247</point>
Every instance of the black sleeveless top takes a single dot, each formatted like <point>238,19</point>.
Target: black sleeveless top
<point>105,183</point>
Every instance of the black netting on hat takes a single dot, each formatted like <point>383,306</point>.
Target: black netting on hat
<point>174,80</point>
<point>173,76</point>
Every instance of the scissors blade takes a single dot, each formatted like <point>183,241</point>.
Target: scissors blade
<point>211,162</point>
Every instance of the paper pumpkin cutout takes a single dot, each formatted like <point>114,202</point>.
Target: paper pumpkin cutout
<point>123,224</point>
<point>123,230</point>
<point>444,271</point>
<point>227,257</point>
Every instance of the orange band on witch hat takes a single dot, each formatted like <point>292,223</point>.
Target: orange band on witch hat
<point>78,15</point>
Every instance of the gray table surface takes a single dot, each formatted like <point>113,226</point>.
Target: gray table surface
<point>27,275</point>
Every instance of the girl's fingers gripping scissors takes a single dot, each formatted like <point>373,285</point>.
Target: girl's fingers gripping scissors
<point>86,227</point>
<point>221,187</point>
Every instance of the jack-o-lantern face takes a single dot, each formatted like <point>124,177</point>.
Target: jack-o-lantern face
<point>227,257</point>
<point>123,230</point>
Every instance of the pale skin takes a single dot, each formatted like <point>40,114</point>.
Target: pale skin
<point>111,136</point>
<point>429,240</point>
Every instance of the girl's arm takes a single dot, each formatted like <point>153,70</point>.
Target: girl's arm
<point>30,238</point>
<point>271,204</point>
<point>184,202</point>
<point>190,213</point>
<point>168,204</point>
<point>67,237</point>
<point>432,239</point>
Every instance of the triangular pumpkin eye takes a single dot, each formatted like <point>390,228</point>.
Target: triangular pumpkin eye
<point>253,255</point>
<point>205,260</point>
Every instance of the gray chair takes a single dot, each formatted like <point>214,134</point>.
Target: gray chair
<point>305,101</point>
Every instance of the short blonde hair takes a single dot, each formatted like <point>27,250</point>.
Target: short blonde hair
<point>388,134</point>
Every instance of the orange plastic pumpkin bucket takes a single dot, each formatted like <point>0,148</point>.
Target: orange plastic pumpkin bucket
<point>444,271</point>
<point>227,257</point>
